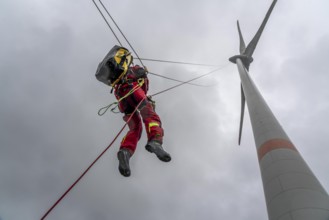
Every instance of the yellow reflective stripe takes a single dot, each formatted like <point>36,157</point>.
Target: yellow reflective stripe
<point>123,139</point>
<point>152,124</point>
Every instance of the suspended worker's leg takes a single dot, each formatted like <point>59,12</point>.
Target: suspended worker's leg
<point>129,142</point>
<point>154,132</point>
<point>152,124</point>
<point>123,157</point>
<point>134,133</point>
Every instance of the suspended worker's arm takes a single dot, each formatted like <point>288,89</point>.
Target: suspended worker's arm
<point>139,72</point>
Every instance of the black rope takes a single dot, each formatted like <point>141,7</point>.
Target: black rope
<point>170,88</point>
<point>177,62</point>
<point>136,52</point>
<point>107,23</point>
<point>176,80</point>
<point>121,32</point>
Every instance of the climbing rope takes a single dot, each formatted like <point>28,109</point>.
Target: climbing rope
<point>125,124</point>
<point>124,36</point>
<point>177,62</point>
<point>176,80</point>
<point>170,88</point>
<point>92,164</point>
<point>107,23</point>
<point>116,137</point>
<point>103,110</point>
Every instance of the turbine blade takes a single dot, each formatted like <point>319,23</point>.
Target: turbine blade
<point>242,44</point>
<point>252,45</point>
<point>243,102</point>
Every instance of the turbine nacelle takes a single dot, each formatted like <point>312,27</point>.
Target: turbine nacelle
<point>244,58</point>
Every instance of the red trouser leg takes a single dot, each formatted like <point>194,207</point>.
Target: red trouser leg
<point>150,118</point>
<point>134,133</point>
<point>152,123</point>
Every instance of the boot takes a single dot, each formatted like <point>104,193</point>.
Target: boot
<point>124,156</point>
<point>156,147</point>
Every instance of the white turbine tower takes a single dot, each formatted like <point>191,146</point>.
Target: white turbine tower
<point>292,191</point>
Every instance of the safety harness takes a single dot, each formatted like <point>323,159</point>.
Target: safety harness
<point>102,111</point>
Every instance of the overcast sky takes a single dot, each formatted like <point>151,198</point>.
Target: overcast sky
<point>50,131</point>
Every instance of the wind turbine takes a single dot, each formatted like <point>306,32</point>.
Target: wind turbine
<point>292,191</point>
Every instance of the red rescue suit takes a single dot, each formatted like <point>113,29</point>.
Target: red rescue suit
<point>145,111</point>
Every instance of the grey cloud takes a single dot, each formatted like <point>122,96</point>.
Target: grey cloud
<point>50,131</point>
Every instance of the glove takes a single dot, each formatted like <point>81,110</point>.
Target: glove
<point>149,98</point>
<point>139,72</point>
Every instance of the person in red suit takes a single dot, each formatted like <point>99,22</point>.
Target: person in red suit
<point>130,88</point>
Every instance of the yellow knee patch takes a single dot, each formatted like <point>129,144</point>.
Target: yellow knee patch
<point>123,139</point>
<point>152,124</point>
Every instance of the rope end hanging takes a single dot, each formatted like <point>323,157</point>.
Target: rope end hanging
<point>103,110</point>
